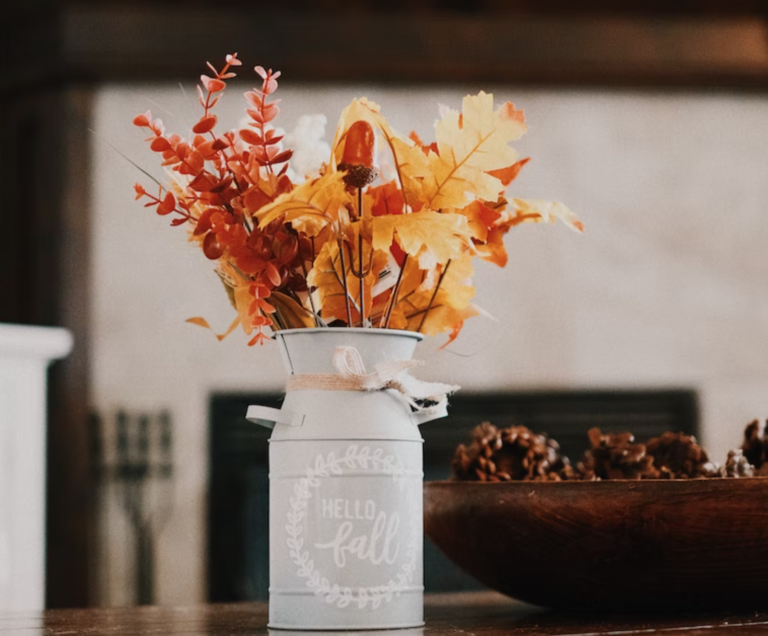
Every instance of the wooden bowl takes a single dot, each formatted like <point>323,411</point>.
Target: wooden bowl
<point>609,545</point>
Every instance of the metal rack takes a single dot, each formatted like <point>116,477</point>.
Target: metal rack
<point>139,465</point>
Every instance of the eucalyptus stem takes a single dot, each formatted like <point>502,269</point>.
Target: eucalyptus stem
<point>434,293</point>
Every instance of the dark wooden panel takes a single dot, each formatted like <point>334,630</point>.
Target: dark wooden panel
<point>439,47</point>
<point>44,269</point>
<point>69,522</point>
<point>717,44</point>
<point>29,143</point>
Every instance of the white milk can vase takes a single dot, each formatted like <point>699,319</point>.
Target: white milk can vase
<point>345,471</point>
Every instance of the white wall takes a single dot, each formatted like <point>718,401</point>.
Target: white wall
<point>668,287</point>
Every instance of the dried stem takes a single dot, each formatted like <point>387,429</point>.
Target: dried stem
<point>276,317</point>
<point>344,279</point>
<point>361,271</point>
<point>361,278</point>
<point>315,315</point>
<point>393,296</point>
<point>434,293</point>
<point>309,292</point>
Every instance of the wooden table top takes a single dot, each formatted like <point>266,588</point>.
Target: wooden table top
<point>485,613</point>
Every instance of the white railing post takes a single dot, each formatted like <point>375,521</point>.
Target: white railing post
<point>25,353</point>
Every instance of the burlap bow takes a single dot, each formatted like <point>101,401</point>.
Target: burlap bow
<point>392,374</point>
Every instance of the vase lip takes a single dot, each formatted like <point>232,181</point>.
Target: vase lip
<point>372,330</point>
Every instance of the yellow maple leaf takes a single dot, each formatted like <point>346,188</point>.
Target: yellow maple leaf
<point>243,301</point>
<point>443,236</point>
<point>457,281</point>
<point>409,161</point>
<point>329,276</point>
<point>413,169</point>
<point>491,222</point>
<point>509,174</point>
<point>443,318</point>
<point>291,315</point>
<point>493,249</point>
<point>236,287</point>
<point>469,145</point>
<point>420,308</point>
<point>202,322</point>
<point>481,219</point>
<point>312,206</point>
<point>537,211</point>
<point>326,277</point>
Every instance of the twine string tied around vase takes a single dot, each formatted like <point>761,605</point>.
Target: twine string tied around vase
<point>392,374</point>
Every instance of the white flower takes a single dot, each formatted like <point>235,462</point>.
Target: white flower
<point>310,150</point>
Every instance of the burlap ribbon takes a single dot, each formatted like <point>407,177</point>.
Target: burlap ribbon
<point>393,374</point>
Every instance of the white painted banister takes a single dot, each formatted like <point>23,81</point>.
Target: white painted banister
<point>25,353</point>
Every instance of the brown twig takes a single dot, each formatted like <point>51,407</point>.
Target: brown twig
<point>360,271</point>
<point>393,296</point>
<point>344,280</point>
<point>309,291</point>
<point>315,315</point>
<point>361,277</point>
<point>434,293</point>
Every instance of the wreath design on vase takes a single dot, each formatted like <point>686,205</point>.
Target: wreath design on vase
<point>355,457</point>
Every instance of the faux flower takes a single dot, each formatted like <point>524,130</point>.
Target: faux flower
<point>314,236</point>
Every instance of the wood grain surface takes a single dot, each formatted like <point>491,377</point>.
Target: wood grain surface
<point>646,546</point>
<point>486,613</point>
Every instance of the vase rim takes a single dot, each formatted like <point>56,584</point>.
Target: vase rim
<point>373,330</point>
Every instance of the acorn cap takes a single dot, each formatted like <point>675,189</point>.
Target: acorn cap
<point>358,175</point>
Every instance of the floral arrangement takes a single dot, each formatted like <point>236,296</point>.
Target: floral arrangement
<point>357,244</point>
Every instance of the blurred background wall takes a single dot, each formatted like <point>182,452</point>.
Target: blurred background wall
<point>666,288</point>
<point>650,122</point>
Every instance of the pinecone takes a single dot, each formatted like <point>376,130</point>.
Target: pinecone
<point>615,456</point>
<point>737,465</point>
<point>755,443</point>
<point>568,472</point>
<point>678,456</point>
<point>508,454</point>
<point>467,462</point>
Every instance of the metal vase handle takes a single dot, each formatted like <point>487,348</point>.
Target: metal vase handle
<point>427,415</point>
<point>268,417</point>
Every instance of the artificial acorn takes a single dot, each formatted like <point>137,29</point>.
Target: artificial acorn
<point>359,155</point>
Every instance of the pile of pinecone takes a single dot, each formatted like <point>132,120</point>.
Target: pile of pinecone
<point>510,454</point>
<point>518,454</point>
